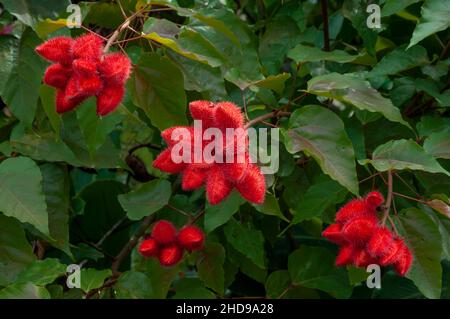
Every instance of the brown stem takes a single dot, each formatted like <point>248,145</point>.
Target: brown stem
<point>445,51</point>
<point>410,198</point>
<point>326,35</point>
<point>126,250</point>
<point>265,117</point>
<point>387,208</point>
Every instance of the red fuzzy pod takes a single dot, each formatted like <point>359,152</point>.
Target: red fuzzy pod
<point>164,232</point>
<point>178,134</point>
<point>92,85</point>
<point>391,256</point>
<point>374,199</point>
<point>149,248</point>
<point>109,99</point>
<point>63,104</point>
<point>193,178</point>
<point>170,255</point>
<point>56,50</point>
<point>85,67</point>
<point>362,259</point>
<point>88,46</point>
<point>115,68</point>
<point>403,264</point>
<point>217,186</point>
<point>57,76</point>
<point>334,234</point>
<point>359,230</point>
<point>354,208</point>
<point>381,242</point>
<point>228,115</point>
<point>203,111</point>
<point>191,238</point>
<point>252,186</point>
<point>165,163</point>
<point>345,256</point>
<point>236,171</point>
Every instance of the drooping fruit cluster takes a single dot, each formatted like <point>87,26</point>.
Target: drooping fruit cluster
<point>363,241</point>
<point>219,176</point>
<point>168,246</point>
<point>81,70</point>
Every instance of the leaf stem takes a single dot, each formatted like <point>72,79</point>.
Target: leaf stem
<point>387,208</point>
<point>265,117</point>
<point>326,34</point>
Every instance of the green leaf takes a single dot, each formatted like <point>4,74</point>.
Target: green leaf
<point>422,236</point>
<point>8,50</point>
<point>210,267</point>
<point>21,91</point>
<point>429,125</point>
<point>282,33</point>
<point>246,240</point>
<point>157,88</point>
<point>21,193</point>
<point>271,207</point>
<point>217,215</point>
<point>30,11</point>
<point>328,144</point>
<point>48,98</point>
<point>15,251</point>
<point>273,82</point>
<point>434,18</point>
<point>303,53</point>
<point>400,60</point>
<point>91,278</point>
<point>438,145</point>
<point>133,285</point>
<point>192,288</point>
<point>317,199</point>
<point>41,272</point>
<point>56,187</point>
<point>393,6</point>
<point>24,291</point>
<point>147,199</point>
<point>404,154</point>
<point>277,284</point>
<point>355,91</point>
<point>313,267</point>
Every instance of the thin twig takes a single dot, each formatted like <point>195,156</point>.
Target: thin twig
<point>387,208</point>
<point>265,117</point>
<point>182,212</point>
<point>326,34</point>
<point>410,198</point>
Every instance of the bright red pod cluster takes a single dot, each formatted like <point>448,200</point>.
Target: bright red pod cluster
<point>220,177</point>
<point>363,241</point>
<point>168,245</point>
<point>81,70</point>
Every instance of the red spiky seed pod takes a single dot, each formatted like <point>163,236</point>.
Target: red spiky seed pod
<point>354,208</point>
<point>334,234</point>
<point>345,256</point>
<point>57,50</point>
<point>170,255</point>
<point>381,242</point>
<point>253,185</point>
<point>149,248</point>
<point>191,238</point>
<point>109,98</point>
<point>87,46</point>
<point>164,232</point>
<point>404,262</point>
<point>359,230</point>
<point>57,76</point>
<point>115,68</point>
<point>374,199</point>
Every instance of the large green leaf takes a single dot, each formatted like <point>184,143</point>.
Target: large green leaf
<point>217,215</point>
<point>355,91</point>
<point>404,154</point>
<point>393,6</point>
<point>91,278</point>
<point>15,251</point>
<point>438,145</point>
<point>210,267</point>
<point>303,53</point>
<point>21,193</point>
<point>56,187</point>
<point>133,285</point>
<point>422,236</point>
<point>328,144</point>
<point>21,91</point>
<point>30,11</point>
<point>8,50</point>
<point>434,18</point>
<point>157,88</point>
<point>271,207</point>
<point>147,199</point>
<point>192,288</point>
<point>313,267</point>
<point>42,272</point>
<point>24,291</point>
<point>48,98</point>
<point>246,240</point>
